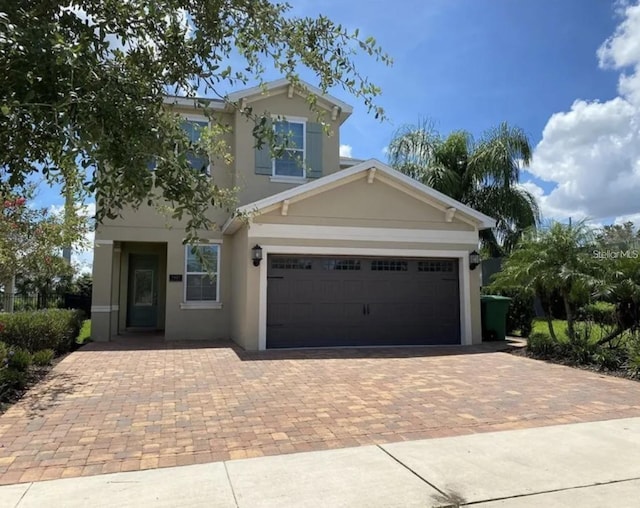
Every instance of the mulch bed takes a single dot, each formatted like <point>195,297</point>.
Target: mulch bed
<point>523,351</point>
<point>34,376</point>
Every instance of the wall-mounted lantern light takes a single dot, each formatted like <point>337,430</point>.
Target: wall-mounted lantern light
<point>256,255</point>
<point>474,259</point>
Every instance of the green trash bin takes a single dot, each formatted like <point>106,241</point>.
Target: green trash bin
<point>494,310</point>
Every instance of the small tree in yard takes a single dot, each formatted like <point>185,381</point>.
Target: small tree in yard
<point>31,241</point>
<point>558,258</point>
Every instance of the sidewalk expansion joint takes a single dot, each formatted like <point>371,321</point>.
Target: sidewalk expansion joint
<point>233,491</point>
<point>23,494</point>
<point>552,491</point>
<point>415,473</point>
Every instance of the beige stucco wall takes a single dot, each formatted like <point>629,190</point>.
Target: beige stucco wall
<point>240,270</point>
<point>253,187</point>
<point>363,204</point>
<point>240,174</point>
<point>178,323</point>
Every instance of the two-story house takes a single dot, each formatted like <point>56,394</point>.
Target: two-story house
<point>336,252</point>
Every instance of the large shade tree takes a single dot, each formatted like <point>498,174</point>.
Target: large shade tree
<point>483,174</point>
<point>82,85</point>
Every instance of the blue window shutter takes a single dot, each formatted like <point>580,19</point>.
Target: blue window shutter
<point>314,150</point>
<point>263,160</point>
<point>264,166</point>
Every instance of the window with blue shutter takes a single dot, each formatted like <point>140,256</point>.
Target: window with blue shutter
<point>301,151</point>
<point>291,136</point>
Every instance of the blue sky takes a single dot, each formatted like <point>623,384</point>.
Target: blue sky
<point>566,71</point>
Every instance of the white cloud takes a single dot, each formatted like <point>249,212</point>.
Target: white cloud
<point>346,151</point>
<point>592,151</point>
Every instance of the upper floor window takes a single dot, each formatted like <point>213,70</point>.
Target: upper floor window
<point>197,158</point>
<point>291,135</point>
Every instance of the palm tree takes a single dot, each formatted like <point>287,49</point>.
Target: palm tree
<point>483,175</point>
<point>559,259</point>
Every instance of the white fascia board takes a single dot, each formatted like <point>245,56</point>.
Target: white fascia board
<point>194,102</point>
<point>283,82</point>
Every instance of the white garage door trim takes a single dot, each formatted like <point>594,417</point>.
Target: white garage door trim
<point>302,232</point>
<point>463,270</point>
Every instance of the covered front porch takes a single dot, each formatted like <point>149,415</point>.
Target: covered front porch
<point>130,288</point>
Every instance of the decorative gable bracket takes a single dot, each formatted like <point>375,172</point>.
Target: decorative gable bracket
<point>448,216</point>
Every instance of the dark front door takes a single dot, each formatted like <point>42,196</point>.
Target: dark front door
<point>142,300</point>
<point>317,301</point>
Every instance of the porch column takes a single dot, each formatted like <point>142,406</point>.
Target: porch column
<point>101,323</point>
<point>115,289</point>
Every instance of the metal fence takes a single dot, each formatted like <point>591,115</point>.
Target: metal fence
<point>21,302</point>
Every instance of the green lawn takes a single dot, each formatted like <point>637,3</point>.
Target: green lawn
<point>85,332</point>
<point>560,327</point>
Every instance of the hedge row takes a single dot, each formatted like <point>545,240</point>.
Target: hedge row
<point>55,329</point>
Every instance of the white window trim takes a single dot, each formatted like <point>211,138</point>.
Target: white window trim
<point>289,179</point>
<point>190,117</point>
<point>201,304</point>
<point>285,178</point>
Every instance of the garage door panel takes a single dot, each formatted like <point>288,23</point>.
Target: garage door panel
<point>333,301</point>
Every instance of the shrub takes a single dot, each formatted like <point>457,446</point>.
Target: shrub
<point>609,358</point>
<point>603,313</point>
<point>521,313</point>
<point>541,344</point>
<point>633,354</point>
<point>43,357</point>
<point>4,355</point>
<point>11,379</point>
<point>54,329</point>
<point>580,348</point>
<point>19,359</point>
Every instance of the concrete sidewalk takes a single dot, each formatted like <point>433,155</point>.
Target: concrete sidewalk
<point>587,465</point>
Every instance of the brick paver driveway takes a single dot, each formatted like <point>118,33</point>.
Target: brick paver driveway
<point>135,405</point>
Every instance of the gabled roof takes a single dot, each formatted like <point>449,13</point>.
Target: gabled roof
<point>372,168</point>
<point>281,85</point>
<point>259,92</point>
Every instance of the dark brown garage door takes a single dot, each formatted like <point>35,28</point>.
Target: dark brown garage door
<point>317,301</point>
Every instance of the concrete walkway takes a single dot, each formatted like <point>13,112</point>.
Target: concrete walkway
<point>588,465</point>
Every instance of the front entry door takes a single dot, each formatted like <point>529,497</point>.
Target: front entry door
<point>142,301</point>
